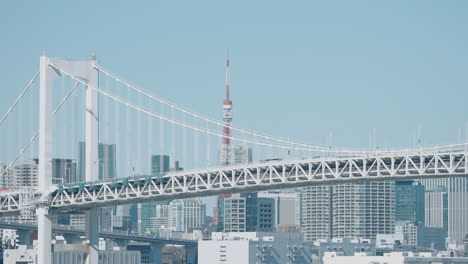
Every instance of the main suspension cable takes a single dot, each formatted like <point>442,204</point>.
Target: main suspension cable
<point>31,140</point>
<point>30,83</point>
<point>138,108</point>
<point>194,114</point>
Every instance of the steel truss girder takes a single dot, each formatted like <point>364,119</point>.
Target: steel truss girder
<point>252,177</point>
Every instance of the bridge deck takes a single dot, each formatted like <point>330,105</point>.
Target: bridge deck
<point>252,177</point>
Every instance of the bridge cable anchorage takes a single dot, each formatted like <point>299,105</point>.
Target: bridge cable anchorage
<point>138,108</point>
<point>31,140</point>
<point>242,130</point>
<point>30,83</point>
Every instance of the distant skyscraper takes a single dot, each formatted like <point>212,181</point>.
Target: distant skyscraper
<point>107,170</point>
<point>161,218</point>
<point>436,208</point>
<point>107,161</point>
<point>186,215</point>
<point>240,155</point>
<point>409,202</point>
<point>25,175</point>
<point>64,169</point>
<point>348,210</point>
<point>457,203</point>
<point>7,180</point>
<point>160,165</point>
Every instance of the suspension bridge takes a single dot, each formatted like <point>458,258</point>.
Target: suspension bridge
<point>310,164</point>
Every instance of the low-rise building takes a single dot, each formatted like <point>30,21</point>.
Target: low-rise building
<point>391,258</point>
<point>253,247</point>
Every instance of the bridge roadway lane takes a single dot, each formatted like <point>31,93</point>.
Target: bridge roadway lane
<point>110,235</point>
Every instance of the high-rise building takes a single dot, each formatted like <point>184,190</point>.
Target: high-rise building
<point>457,204</point>
<point>285,207</point>
<point>6,181</point>
<point>107,170</point>
<point>436,208</point>
<point>64,169</point>
<point>260,213</point>
<point>160,165</point>
<point>240,155</point>
<point>147,216</point>
<point>25,175</point>
<point>186,215</point>
<point>232,214</point>
<point>246,213</point>
<point>161,218</point>
<point>348,210</point>
<point>409,202</point>
<point>316,221</point>
<point>107,161</point>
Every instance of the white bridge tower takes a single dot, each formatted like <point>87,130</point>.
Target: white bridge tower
<point>86,71</point>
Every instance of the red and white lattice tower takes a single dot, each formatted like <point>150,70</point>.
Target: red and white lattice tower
<point>227,117</point>
<point>226,151</point>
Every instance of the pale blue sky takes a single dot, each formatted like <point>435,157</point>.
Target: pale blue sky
<point>300,69</point>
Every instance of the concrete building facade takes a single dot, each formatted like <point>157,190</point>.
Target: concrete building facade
<point>457,202</point>
<point>253,248</point>
<point>348,210</point>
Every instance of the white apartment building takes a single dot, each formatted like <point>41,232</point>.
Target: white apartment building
<point>348,210</point>
<point>186,215</point>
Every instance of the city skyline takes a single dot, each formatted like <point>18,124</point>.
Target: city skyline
<point>329,133</point>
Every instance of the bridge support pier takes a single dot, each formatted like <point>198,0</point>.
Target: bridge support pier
<point>156,253</point>
<point>92,235</point>
<point>191,254</point>
<point>44,236</point>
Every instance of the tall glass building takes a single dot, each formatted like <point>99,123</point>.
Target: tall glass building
<point>159,164</point>
<point>409,202</point>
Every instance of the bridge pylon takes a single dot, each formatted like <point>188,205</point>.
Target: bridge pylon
<point>86,71</point>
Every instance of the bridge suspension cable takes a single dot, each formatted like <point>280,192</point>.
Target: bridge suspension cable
<point>30,83</point>
<point>292,144</point>
<point>138,108</point>
<point>316,148</point>
<point>31,140</point>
